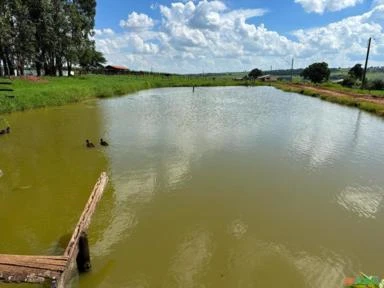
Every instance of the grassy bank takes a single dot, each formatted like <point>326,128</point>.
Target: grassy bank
<point>347,100</point>
<point>339,88</point>
<point>57,91</point>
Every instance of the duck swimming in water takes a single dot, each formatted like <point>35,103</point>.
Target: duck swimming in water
<point>5,131</point>
<point>89,144</point>
<point>103,143</point>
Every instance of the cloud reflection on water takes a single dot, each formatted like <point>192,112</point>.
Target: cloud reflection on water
<point>191,260</point>
<point>161,137</point>
<point>364,201</point>
<point>251,261</point>
<point>133,190</point>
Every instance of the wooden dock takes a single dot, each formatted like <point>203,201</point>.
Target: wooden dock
<point>56,270</point>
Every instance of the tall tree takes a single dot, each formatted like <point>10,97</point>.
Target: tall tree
<point>24,31</point>
<point>46,34</point>
<point>6,36</point>
<point>356,72</point>
<point>317,72</point>
<point>91,59</point>
<point>255,73</point>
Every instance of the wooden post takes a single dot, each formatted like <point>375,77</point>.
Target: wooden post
<point>366,64</point>
<point>83,258</point>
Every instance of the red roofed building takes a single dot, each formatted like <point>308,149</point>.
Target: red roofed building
<point>116,69</point>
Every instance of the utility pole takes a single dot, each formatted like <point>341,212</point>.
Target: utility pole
<point>292,70</point>
<point>366,63</point>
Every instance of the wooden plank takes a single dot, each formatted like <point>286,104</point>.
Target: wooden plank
<point>82,226</point>
<point>31,269</point>
<point>12,274</point>
<point>39,269</point>
<point>35,257</point>
<point>85,218</point>
<point>59,260</point>
<point>36,265</point>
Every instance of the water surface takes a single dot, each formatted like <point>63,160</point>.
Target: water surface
<point>224,187</point>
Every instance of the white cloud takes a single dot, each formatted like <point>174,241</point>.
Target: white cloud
<point>378,2</point>
<point>193,36</point>
<point>104,32</point>
<point>137,22</point>
<point>154,6</point>
<point>347,38</point>
<point>320,6</point>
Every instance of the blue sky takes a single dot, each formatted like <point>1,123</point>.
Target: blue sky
<point>236,35</point>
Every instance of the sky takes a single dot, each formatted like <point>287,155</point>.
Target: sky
<point>206,36</point>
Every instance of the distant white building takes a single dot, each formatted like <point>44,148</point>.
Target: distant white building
<point>338,81</point>
<point>267,78</point>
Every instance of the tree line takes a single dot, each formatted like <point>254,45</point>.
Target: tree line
<point>319,72</point>
<point>47,35</point>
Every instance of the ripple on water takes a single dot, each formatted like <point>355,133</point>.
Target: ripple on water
<point>364,201</point>
<point>129,192</point>
<point>238,229</point>
<point>254,257</point>
<point>325,271</point>
<point>191,259</point>
<point>119,228</point>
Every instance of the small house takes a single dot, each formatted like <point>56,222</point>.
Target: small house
<point>115,69</point>
<point>267,78</point>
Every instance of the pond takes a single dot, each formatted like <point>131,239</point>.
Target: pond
<point>223,187</point>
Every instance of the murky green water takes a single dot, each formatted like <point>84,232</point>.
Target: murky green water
<point>226,187</point>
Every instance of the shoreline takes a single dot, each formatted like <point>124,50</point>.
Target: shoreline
<point>54,91</point>
<point>367,102</point>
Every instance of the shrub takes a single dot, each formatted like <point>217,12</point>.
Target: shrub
<point>255,73</point>
<point>316,72</point>
<point>356,72</point>
<point>377,84</point>
<point>348,82</point>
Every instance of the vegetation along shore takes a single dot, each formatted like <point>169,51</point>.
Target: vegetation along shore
<point>38,92</point>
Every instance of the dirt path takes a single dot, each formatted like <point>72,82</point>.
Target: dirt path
<point>330,92</point>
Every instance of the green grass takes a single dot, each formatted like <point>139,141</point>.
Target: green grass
<point>377,109</point>
<point>55,91</point>
<point>337,87</point>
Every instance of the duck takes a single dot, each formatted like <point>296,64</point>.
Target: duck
<point>103,142</point>
<point>5,131</point>
<point>89,144</point>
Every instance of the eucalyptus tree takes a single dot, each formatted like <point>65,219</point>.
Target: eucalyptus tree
<point>6,39</point>
<point>46,34</point>
<point>23,33</point>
